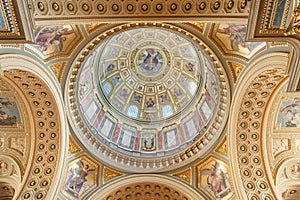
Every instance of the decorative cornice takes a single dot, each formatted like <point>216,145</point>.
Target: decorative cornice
<point>87,11</point>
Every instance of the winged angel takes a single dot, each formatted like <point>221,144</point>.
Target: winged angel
<point>76,182</point>
<point>217,181</point>
<point>52,37</point>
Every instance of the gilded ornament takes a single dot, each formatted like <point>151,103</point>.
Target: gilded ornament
<point>110,174</point>
<point>256,160</point>
<point>73,147</point>
<point>294,25</point>
<point>100,7</point>
<point>130,7</point>
<point>57,69</point>
<point>243,148</point>
<point>115,7</point>
<point>185,175</point>
<point>247,104</point>
<point>254,136</point>
<point>230,4</point>
<point>55,7</point>
<point>217,5</point>
<point>246,172</point>
<point>262,186</point>
<point>250,186</point>
<point>173,7</point>
<point>223,147</point>
<point>188,6</point>
<point>85,7</point>
<point>244,160</point>
<point>42,135</point>
<point>245,114</point>
<point>242,136</point>
<point>41,6</point>
<point>202,5</point>
<point>243,4</point>
<point>159,7</point>
<point>144,7</point>
<point>26,195</point>
<point>70,7</point>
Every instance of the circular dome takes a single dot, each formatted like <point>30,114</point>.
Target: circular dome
<point>147,97</point>
<point>149,74</point>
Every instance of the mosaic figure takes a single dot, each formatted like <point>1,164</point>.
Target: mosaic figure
<point>164,98</point>
<point>110,68</point>
<point>116,79</point>
<point>76,183</point>
<point>217,181</point>
<point>137,98</point>
<point>177,93</point>
<point>123,93</point>
<point>289,113</point>
<point>150,61</point>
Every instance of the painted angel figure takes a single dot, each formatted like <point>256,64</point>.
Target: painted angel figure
<point>217,181</point>
<point>52,36</point>
<point>236,34</point>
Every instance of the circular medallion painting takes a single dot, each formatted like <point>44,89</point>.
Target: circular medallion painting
<point>147,97</point>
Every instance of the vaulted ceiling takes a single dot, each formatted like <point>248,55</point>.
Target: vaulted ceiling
<point>149,99</point>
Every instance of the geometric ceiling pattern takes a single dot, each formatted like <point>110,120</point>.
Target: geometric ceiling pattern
<point>149,99</point>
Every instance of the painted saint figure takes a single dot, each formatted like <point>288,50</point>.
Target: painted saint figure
<point>217,181</point>
<point>76,182</point>
<point>150,60</point>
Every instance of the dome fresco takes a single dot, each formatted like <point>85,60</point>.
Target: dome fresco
<point>149,74</point>
<point>148,93</point>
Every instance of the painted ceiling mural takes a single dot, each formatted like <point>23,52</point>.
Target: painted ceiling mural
<point>145,98</point>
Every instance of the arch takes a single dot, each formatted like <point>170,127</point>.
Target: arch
<point>247,125</point>
<point>52,152</point>
<point>148,179</point>
<point>10,173</point>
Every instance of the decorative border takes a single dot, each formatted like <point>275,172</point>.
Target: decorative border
<point>139,10</point>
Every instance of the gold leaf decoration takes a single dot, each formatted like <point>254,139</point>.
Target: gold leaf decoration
<point>93,27</point>
<point>222,148</point>
<point>109,174</point>
<point>236,70</point>
<point>198,26</point>
<point>58,69</point>
<point>185,175</point>
<point>73,147</point>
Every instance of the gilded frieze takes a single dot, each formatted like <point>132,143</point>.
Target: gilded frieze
<point>88,11</point>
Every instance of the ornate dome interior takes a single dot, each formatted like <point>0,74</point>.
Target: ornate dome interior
<point>149,92</point>
<point>149,99</point>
